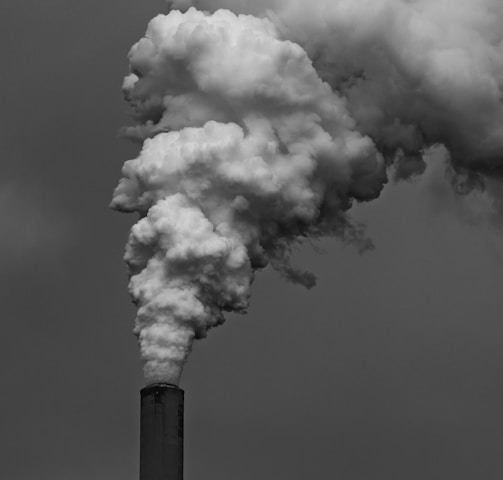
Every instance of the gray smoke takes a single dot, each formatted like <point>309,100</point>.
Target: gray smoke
<point>260,131</point>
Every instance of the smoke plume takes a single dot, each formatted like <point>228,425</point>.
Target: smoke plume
<point>261,130</point>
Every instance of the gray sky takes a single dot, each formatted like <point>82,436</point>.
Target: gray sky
<point>389,369</point>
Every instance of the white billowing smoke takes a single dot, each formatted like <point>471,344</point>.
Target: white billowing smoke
<point>245,151</point>
<point>259,131</point>
<point>414,72</point>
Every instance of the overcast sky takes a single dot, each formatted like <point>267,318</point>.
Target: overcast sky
<point>389,369</point>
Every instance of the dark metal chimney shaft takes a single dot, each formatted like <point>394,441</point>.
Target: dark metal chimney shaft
<point>161,432</point>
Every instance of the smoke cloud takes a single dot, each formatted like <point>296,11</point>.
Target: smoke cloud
<point>260,131</point>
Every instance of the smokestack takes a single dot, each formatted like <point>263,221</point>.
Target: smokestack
<point>161,432</point>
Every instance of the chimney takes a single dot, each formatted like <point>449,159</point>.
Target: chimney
<point>161,432</point>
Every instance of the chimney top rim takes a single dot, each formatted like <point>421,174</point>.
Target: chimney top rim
<point>159,386</point>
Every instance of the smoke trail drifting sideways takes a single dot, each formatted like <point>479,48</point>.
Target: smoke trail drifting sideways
<point>246,150</point>
<point>414,72</point>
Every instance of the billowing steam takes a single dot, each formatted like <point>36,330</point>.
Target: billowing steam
<point>261,131</point>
